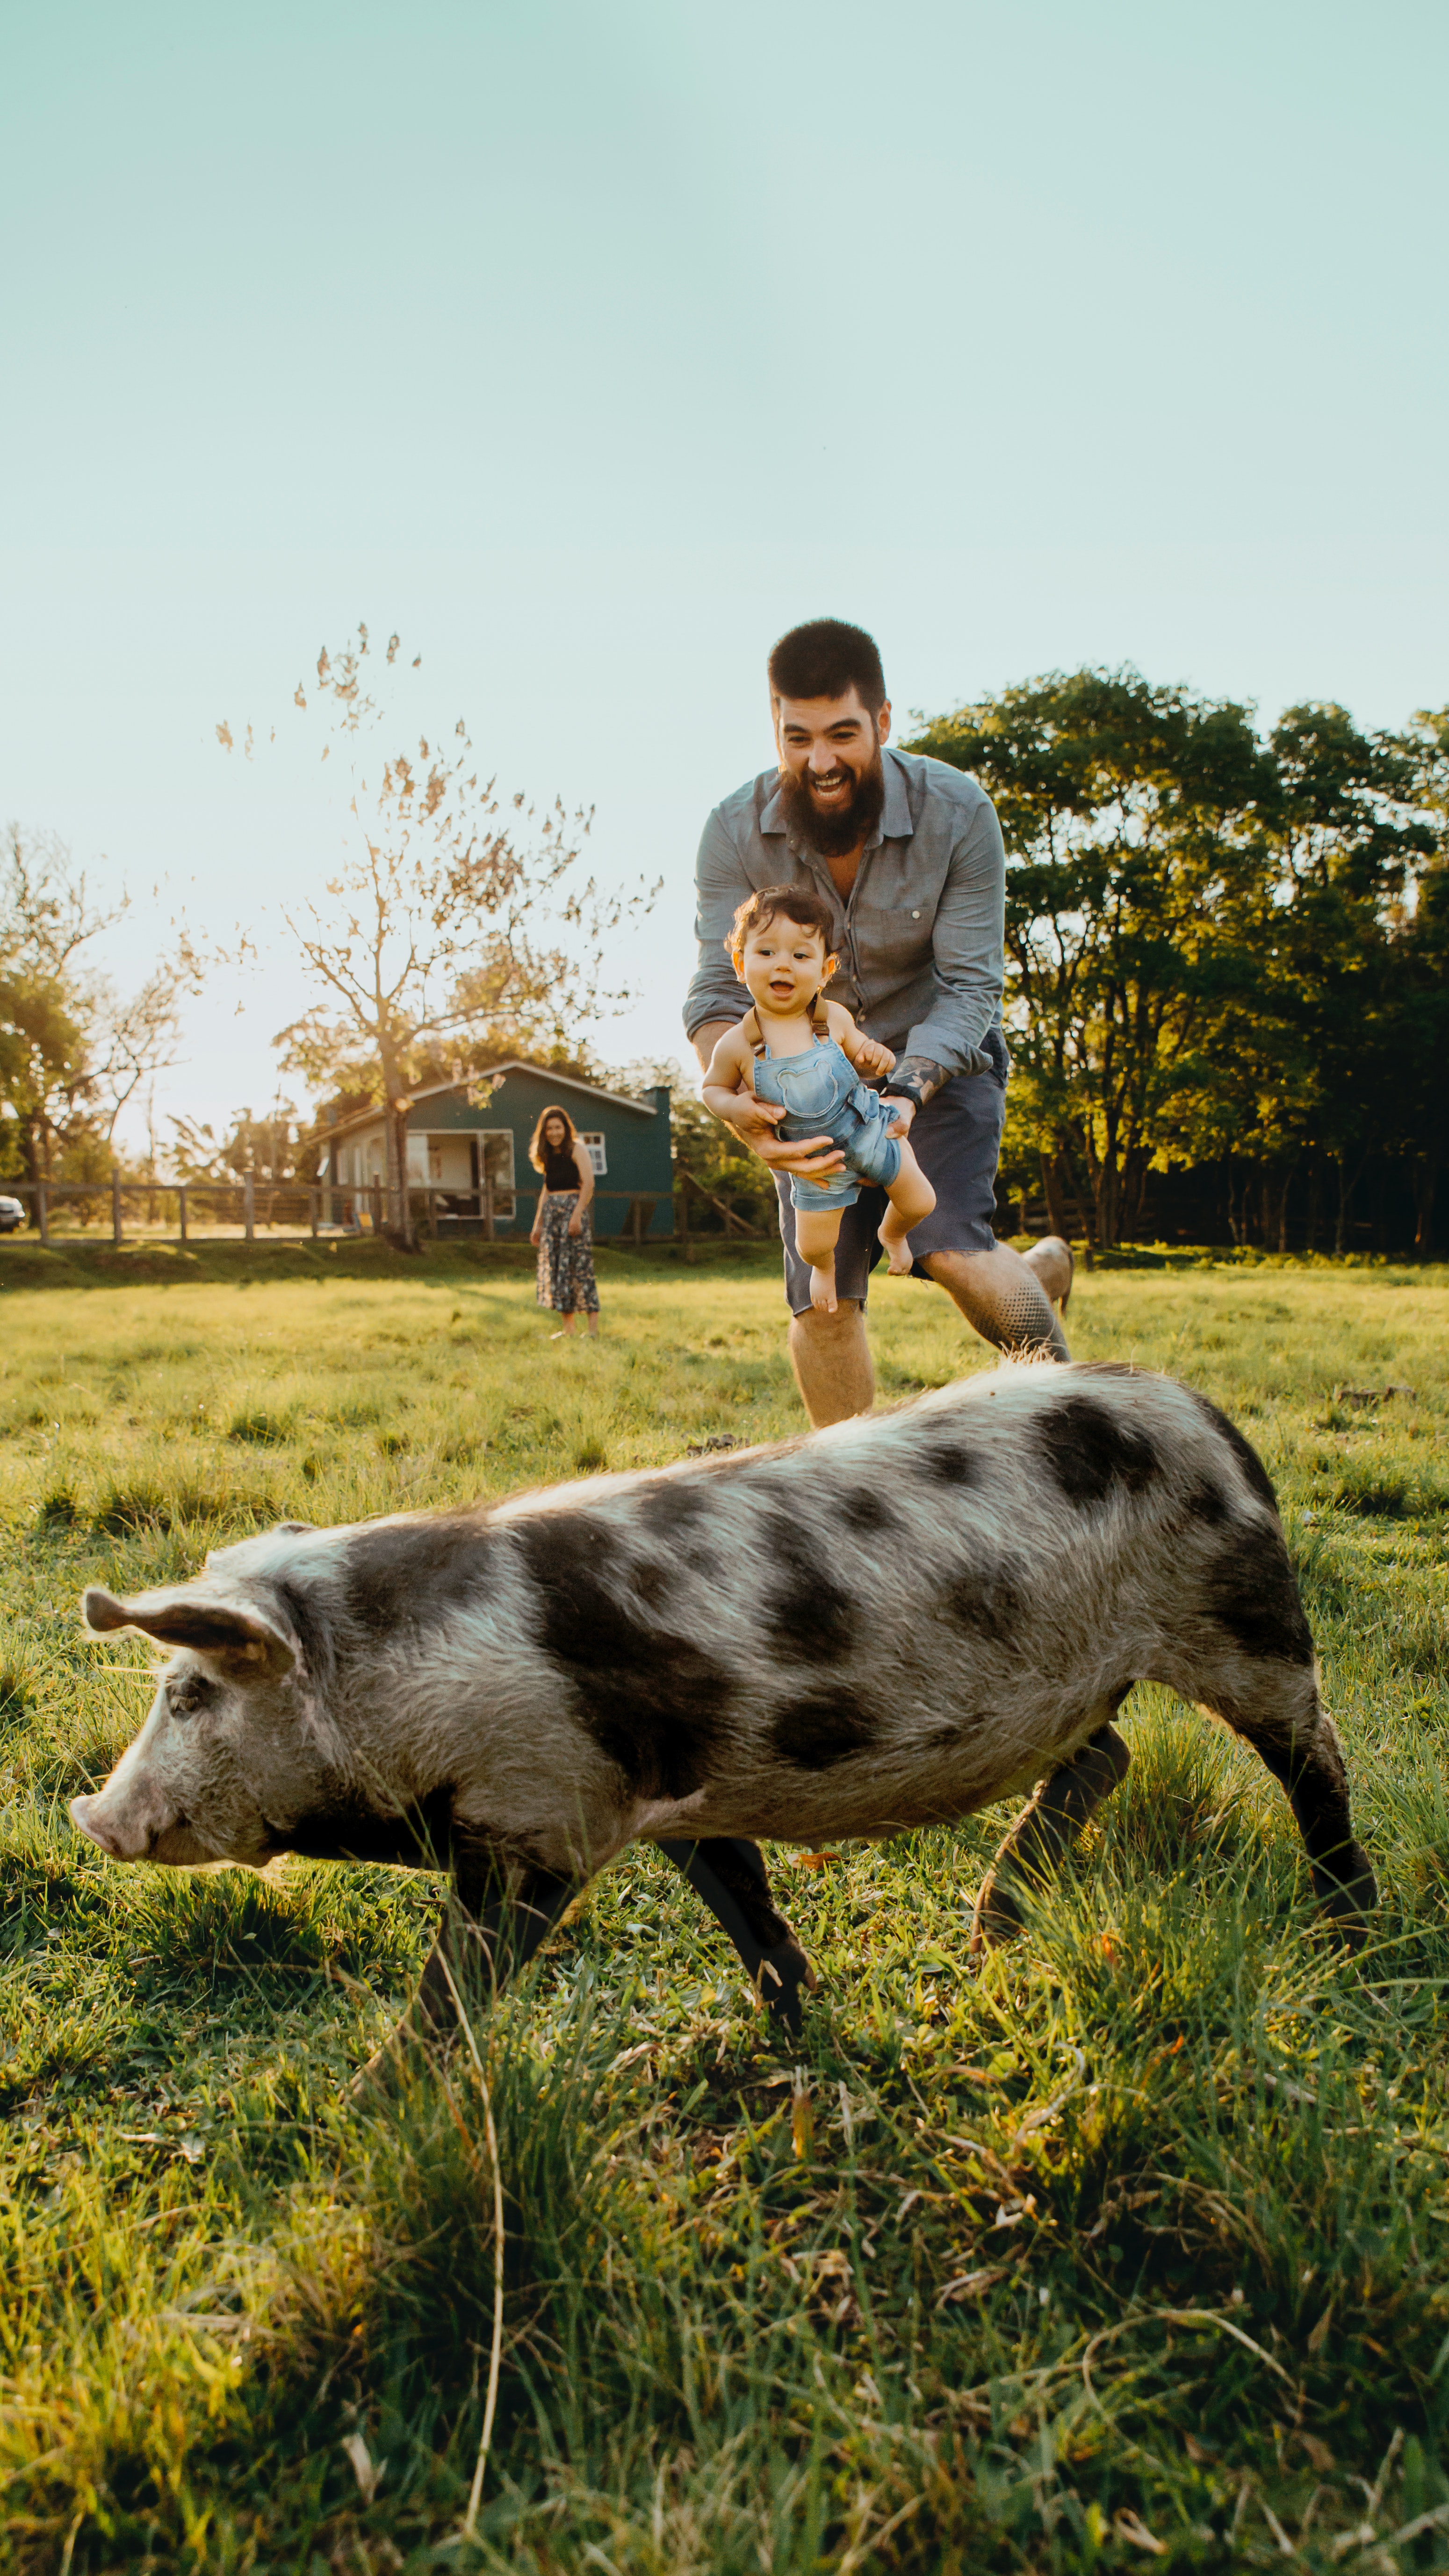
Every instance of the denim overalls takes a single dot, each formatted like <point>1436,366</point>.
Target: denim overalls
<point>825,1096</point>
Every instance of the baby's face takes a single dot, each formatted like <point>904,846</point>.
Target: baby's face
<point>784,966</point>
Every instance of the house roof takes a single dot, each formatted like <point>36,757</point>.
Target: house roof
<point>514,1064</point>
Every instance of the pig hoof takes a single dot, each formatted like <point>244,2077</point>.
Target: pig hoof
<point>783,1974</point>
<point>997,1916</point>
<point>1347,1902</point>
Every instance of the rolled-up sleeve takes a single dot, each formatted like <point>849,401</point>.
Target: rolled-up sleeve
<point>721,886</point>
<point>967,945</point>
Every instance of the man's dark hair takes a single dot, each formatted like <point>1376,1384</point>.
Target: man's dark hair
<point>826,659</point>
<point>800,904</point>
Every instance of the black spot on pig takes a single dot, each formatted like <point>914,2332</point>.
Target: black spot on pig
<point>1090,1454</point>
<point>675,1504</point>
<point>1250,1591</point>
<point>823,1728</point>
<point>419,1836</point>
<point>945,1459</point>
<point>809,1617</point>
<point>1206,1502</point>
<point>1246,1455</point>
<point>864,1509</point>
<point>652,1700</point>
<point>408,1573</point>
<point>986,1601</point>
<point>653,1584</point>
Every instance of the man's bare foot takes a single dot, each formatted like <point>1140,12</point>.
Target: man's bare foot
<point>822,1290</point>
<point>1050,1260</point>
<point>897,1249</point>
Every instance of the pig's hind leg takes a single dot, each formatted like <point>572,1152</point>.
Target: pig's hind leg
<point>1047,1826</point>
<point>1281,1715</point>
<point>1246,1656</point>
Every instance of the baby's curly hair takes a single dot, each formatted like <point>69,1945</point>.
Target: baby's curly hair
<point>809,911</point>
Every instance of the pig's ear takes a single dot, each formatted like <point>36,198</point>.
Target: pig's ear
<point>239,1640</point>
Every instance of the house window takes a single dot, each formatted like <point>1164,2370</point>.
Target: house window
<point>594,1147</point>
<point>435,1161</point>
<point>495,1158</point>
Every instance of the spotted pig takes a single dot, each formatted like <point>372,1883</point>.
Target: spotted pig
<point>887,1624</point>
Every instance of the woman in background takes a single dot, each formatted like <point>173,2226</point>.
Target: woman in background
<point>561,1229</point>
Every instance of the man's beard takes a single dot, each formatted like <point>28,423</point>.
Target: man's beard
<point>845,827</point>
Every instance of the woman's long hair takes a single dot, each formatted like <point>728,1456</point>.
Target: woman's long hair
<point>535,1142</point>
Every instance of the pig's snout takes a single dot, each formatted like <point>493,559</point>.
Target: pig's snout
<point>84,1817</point>
<point>130,1826</point>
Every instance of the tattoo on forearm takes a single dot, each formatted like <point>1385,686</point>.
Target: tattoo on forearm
<point>921,1073</point>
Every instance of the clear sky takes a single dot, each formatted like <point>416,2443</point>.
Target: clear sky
<point>592,342</point>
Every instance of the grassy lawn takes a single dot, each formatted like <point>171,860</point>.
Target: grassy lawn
<point>1133,2246</point>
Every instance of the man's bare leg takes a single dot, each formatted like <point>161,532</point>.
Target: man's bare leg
<point>831,1359</point>
<point>1002,1299</point>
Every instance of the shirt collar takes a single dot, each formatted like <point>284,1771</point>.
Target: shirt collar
<point>895,819</point>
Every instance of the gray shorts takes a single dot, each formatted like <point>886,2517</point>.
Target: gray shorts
<point>957,1142</point>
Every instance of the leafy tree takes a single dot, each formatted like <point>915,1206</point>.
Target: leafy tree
<point>73,1051</point>
<point>1128,813</point>
<point>443,928</point>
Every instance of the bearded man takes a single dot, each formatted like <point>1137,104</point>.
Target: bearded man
<point>908,854</point>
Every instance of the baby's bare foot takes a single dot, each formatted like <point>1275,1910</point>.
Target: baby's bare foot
<point>822,1290</point>
<point>897,1250</point>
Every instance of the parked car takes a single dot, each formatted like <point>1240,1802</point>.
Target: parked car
<point>11,1215</point>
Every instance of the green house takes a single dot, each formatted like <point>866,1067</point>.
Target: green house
<point>476,1131</point>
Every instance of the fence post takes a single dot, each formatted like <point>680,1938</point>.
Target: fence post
<point>42,1212</point>
<point>115,1203</point>
<point>377,1207</point>
<point>181,1212</point>
<point>487,1207</point>
<point>681,1222</point>
<point>638,1224</point>
<point>312,1209</point>
<point>249,1206</point>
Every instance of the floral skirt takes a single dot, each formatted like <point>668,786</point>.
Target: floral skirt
<point>566,1261</point>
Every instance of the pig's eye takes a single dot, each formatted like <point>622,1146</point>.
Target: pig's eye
<point>188,1693</point>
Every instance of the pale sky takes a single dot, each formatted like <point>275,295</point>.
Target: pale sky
<point>590,343</point>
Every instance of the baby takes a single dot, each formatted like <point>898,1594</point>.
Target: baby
<point>805,1055</point>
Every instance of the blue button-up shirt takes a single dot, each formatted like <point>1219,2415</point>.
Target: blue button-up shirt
<point>920,940</point>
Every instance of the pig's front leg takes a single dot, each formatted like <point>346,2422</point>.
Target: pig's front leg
<point>494,1920</point>
<point>730,1876</point>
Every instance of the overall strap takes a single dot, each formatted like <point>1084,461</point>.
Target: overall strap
<point>754,1035</point>
<point>819,1021</point>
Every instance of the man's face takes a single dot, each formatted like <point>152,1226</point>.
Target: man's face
<point>830,760</point>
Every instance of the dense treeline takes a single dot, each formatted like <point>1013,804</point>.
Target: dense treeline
<point>1227,983</point>
<point>1227,960</point>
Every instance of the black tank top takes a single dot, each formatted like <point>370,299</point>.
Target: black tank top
<point>560,1171</point>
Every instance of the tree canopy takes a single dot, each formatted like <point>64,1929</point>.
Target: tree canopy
<point>460,923</point>
<point>74,1050</point>
<point>1222,945</point>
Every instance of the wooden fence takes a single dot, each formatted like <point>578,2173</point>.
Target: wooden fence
<point>241,1206</point>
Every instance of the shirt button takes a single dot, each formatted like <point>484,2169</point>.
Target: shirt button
<point>915,916</point>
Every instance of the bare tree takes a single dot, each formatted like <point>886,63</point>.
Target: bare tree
<point>445,920</point>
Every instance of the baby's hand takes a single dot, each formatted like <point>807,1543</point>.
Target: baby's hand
<point>874,1059</point>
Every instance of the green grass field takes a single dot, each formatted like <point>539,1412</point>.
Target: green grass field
<point>1133,2246</point>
